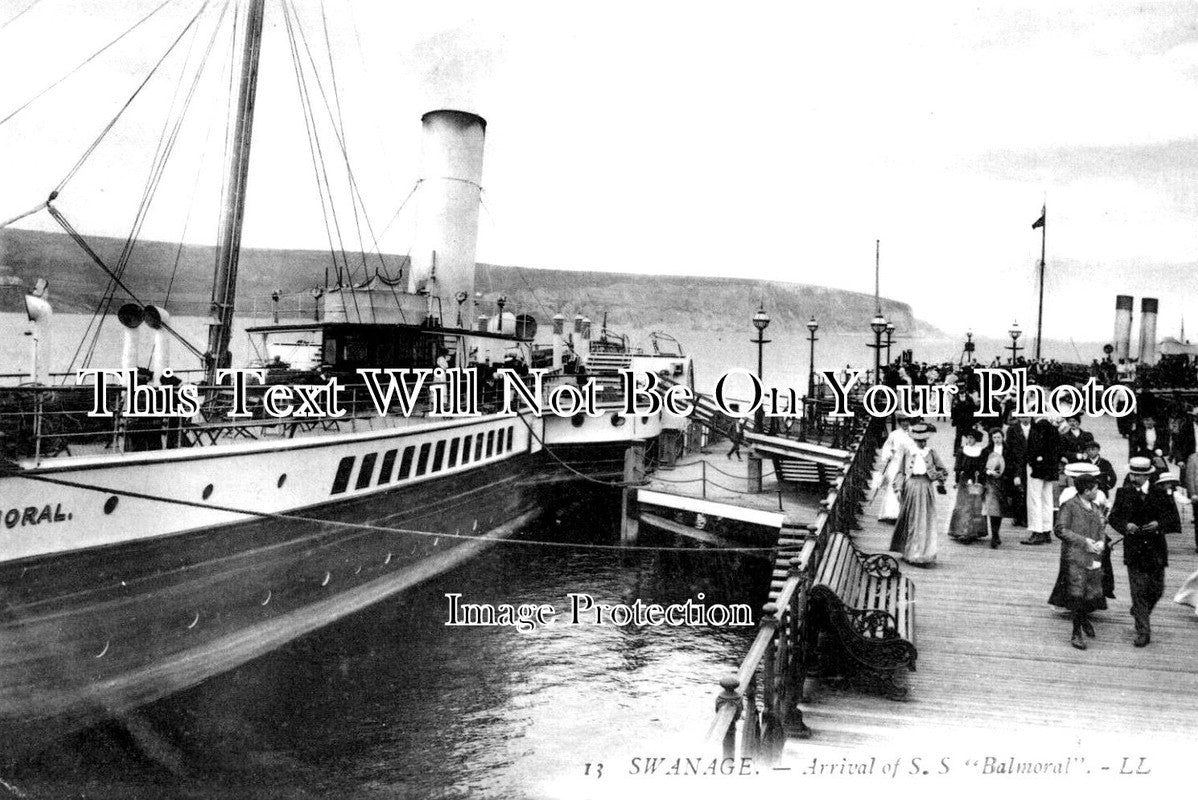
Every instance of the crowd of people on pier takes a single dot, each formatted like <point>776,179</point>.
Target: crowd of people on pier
<point>1050,476</point>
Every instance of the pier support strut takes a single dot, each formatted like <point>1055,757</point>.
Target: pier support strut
<point>630,516</point>
<point>634,474</point>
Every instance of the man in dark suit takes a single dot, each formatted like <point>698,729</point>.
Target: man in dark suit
<point>1106,472</point>
<point>1185,443</point>
<point>1135,514</point>
<point>1074,441</point>
<point>1044,468</point>
<point>1150,441</point>
<point>1015,474</point>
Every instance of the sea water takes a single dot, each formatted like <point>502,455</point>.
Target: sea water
<point>391,702</point>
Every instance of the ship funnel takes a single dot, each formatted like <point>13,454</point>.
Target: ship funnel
<point>131,316</point>
<point>160,359</point>
<point>1148,307</point>
<point>39,311</point>
<point>1122,341</point>
<point>447,220</point>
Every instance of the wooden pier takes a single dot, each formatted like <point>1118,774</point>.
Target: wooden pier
<point>995,663</point>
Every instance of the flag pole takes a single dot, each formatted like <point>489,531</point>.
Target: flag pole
<point>1040,312</point>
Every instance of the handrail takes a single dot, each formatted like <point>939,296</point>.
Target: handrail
<point>777,658</point>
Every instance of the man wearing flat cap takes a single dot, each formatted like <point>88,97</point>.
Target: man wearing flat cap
<point>1135,515</point>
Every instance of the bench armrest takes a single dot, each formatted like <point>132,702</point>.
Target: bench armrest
<point>879,565</point>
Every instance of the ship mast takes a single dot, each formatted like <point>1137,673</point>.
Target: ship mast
<point>224,281</point>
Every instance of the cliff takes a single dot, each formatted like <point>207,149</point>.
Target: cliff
<point>637,302</point>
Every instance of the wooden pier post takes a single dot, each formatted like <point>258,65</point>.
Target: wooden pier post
<point>634,474</point>
<point>634,462</point>
<point>754,473</point>
<point>630,521</point>
<point>729,697</point>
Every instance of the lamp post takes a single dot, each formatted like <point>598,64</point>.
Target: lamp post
<point>967,353</point>
<point>761,321</point>
<point>878,324</point>
<point>812,327</point>
<point>1015,332</point>
<point>889,339</point>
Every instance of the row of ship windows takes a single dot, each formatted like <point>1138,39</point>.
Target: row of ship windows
<point>412,464</point>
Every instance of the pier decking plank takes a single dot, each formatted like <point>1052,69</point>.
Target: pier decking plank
<point>995,658</point>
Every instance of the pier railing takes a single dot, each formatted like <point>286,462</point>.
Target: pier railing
<point>758,701</point>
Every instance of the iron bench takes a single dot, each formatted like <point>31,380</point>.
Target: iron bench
<point>865,611</point>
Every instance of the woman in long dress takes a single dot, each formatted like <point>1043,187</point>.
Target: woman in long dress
<point>896,443</point>
<point>915,531</point>
<point>992,500</point>
<point>1188,593</point>
<point>966,524</point>
<point>1081,527</point>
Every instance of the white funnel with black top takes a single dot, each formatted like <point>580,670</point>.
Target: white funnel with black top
<point>447,219</point>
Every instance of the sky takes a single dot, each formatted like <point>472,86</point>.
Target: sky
<point>775,140</point>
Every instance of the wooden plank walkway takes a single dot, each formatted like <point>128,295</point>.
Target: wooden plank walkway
<point>995,659</point>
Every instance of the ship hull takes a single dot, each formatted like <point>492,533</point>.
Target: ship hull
<point>79,643</point>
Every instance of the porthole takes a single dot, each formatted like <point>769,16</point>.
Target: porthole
<point>282,480</point>
<point>207,491</point>
<point>110,504</point>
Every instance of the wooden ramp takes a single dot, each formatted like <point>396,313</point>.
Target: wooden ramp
<point>995,659</point>
<point>713,478</point>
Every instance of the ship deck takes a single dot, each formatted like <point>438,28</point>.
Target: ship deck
<point>995,663</point>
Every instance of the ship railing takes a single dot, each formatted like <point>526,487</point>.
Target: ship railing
<point>757,703</point>
<point>45,422</point>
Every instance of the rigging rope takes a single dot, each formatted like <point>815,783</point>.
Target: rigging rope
<point>339,130</point>
<point>363,526</point>
<point>129,102</point>
<point>356,195</point>
<point>318,167</point>
<point>20,14</point>
<point>79,240</point>
<point>22,216</point>
<point>166,144</point>
<point>84,63</point>
<point>519,270</point>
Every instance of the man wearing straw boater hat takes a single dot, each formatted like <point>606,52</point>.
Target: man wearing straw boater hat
<point>1145,551</point>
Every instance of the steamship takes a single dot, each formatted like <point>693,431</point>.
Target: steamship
<point>139,557</point>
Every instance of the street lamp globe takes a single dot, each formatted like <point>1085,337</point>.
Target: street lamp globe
<point>813,326</point>
<point>878,324</point>
<point>890,328</point>
<point>1015,331</point>
<point>761,320</point>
